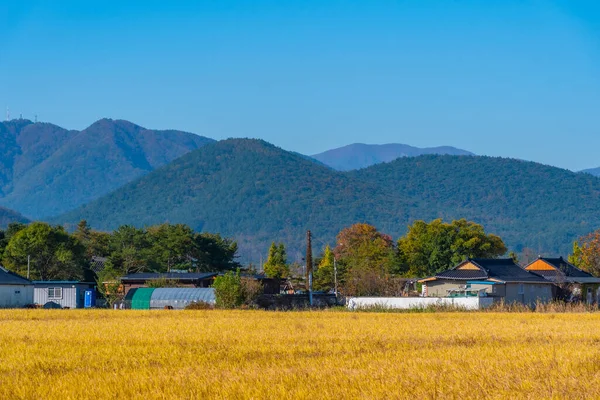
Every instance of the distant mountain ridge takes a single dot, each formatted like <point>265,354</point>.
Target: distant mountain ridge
<point>360,155</point>
<point>7,216</point>
<point>592,171</point>
<point>47,170</point>
<point>258,193</point>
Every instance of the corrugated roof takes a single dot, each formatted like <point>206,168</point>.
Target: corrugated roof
<point>140,300</point>
<point>10,278</point>
<point>148,276</point>
<point>206,295</point>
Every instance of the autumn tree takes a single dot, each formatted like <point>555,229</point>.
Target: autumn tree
<point>276,265</point>
<point>366,259</point>
<point>324,275</point>
<point>430,248</point>
<point>586,253</point>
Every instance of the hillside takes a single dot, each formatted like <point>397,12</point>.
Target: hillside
<point>244,188</point>
<point>46,170</point>
<point>360,155</point>
<point>7,216</point>
<point>592,171</point>
<point>257,193</point>
<point>528,204</point>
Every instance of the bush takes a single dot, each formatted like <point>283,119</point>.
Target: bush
<point>228,290</point>
<point>199,305</point>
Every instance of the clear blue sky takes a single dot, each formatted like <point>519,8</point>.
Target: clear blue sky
<point>510,78</point>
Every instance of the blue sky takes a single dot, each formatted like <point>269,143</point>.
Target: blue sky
<point>504,78</point>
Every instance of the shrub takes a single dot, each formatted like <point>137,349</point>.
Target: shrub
<point>228,290</point>
<point>199,305</point>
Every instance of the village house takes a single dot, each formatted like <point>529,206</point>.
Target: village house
<point>571,283</point>
<point>15,291</point>
<point>60,294</point>
<point>500,279</point>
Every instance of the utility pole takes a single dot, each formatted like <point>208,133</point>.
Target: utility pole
<point>28,264</point>
<point>309,266</point>
<point>335,290</point>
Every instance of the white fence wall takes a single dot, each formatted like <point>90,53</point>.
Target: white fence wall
<point>469,303</point>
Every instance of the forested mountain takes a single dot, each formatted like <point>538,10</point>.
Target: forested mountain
<point>7,216</point>
<point>592,171</point>
<point>360,155</point>
<point>46,170</point>
<point>258,193</point>
<point>255,191</point>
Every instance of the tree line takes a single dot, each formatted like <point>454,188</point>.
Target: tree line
<point>369,262</point>
<point>53,253</point>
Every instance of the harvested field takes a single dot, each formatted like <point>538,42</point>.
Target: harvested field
<point>105,354</point>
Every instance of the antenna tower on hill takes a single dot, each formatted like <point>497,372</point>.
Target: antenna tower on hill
<point>7,113</point>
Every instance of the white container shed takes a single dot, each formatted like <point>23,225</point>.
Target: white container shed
<point>55,294</point>
<point>15,291</point>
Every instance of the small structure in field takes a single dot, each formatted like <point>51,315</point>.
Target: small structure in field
<point>15,291</point>
<point>161,298</point>
<point>500,279</point>
<point>60,294</point>
<point>178,279</point>
<point>571,282</point>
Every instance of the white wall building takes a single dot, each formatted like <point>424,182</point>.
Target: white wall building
<point>61,293</point>
<point>15,291</point>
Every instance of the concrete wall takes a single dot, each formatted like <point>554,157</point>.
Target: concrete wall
<point>469,303</point>
<point>439,288</point>
<point>72,295</point>
<point>531,293</point>
<point>15,296</point>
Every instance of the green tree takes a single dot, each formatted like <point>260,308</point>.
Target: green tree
<point>54,253</point>
<point>130,250</point>
<point>324,278</point>
<point>214,253</point>
<point>172,246</point>
<point>429,248</point>
<point>96,243</point>
<point>228,290</point>
<point>5,236</point>
<point>276,265</point>
<point>576,258</point>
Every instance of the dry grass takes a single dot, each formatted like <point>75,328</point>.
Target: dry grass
<point>82,354</point>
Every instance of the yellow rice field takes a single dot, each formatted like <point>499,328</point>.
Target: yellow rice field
<point>82,354</point>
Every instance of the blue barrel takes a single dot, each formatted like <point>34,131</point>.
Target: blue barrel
<point>89,299</point>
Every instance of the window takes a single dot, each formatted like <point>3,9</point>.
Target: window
<point>54,293</point>
<point>521,288</point>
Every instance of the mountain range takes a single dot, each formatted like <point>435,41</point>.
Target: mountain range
<point>115,172</point>
<point>360,155</point>
<point>46,170</point>
<point>258,193</point>
<point>7,216</point>
<point>592,171</point>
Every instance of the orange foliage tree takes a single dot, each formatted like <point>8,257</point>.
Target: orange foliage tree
<point>586,253</point>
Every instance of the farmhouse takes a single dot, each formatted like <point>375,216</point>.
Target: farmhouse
<point>60,294</point>
<point>15,291</point>
<point>571,282</point>
<point>500,279</point>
